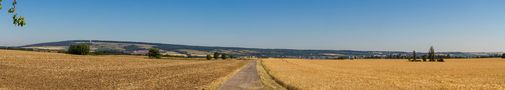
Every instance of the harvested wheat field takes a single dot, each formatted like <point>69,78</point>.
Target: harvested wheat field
<point>388,74</point>
<point>37,70</point>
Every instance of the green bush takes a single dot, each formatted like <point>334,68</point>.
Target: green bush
<point>224,56</point>
<point>424,58</point>
<point>209,57</point>
<point>79,49</point>
<point>503,55</point>
<point>154,53</point>
<point>216,55</point>
<point>231,56</point>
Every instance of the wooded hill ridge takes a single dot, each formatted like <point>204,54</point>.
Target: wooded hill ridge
<point>129,46</point>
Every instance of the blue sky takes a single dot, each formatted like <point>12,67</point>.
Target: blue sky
<point>399,25</point>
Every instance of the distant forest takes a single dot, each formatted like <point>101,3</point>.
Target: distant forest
<point>258,52</point>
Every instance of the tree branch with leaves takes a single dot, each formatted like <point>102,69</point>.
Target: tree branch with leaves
<point>16,19</point>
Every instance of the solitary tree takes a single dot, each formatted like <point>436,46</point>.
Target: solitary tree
<point>209,57</point>
<point>431,54</point>
<point>216,55</point>
<point>224,56</point>
<point>16,19</point>
<point>231,56</point>
<point>414,57</point>
<point>424,58</point>
<point>154,53</point>
<point>79,49</point>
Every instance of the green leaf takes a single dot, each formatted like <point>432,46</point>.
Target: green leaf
<point>12,10</point>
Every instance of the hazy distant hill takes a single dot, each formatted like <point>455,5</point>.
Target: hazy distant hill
<point>128,46</point>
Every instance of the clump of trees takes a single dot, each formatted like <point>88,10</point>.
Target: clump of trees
<point>79,49</point>
<point>431,56</point>
<point>154,53</point>
<point>503,55</point>
<point>217,55</point>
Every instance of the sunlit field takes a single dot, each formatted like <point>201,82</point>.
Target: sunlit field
<point>37,70</point>
<point>388,74</point>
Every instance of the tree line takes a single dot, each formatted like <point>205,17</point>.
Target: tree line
<point>154,53</point>
<point>218,55</point>
<point>430,57</point>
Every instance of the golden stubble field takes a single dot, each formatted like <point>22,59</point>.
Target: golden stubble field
<point>388,74</point>
<point>37,70</point>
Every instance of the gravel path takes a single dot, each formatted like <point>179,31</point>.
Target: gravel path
<point>245,79</point>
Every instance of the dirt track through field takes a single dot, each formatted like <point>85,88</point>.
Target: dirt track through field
<point>245,79</point>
